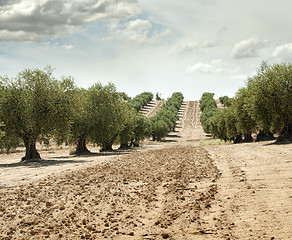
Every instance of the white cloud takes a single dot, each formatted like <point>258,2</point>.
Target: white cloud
<point>144,38</point>
<point>68,47</point>
<point>6,35</point>
<point>139,31</point>
<point>47,18</point>
<point>139,25</point>
<point>195,46</point>
<point>216,66</point>
<point>283,50</point>
<point>248,48</point>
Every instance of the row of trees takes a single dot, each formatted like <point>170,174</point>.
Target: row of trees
<point>263,106</point>
<point>141,100</point>
<point>165,120</point>
<point>37,107</point>
<point>209,109</point>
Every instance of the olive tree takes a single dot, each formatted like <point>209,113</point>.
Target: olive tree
<point>35,105</point>
<point>130,116</point>
<point>106,111</point>
<point>271,98</point>
<point>81,123</point>
<point>242,106</point>
<point>142,130</point>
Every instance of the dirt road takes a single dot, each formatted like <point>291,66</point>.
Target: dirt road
<point>152,108</point>
<point>172,190</point>
<point>191,128</point>
<point>255,190</point>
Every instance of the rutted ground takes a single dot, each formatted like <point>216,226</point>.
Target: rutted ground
<point>171,190</point>
<point>255,190</point>
<point>147,195</point>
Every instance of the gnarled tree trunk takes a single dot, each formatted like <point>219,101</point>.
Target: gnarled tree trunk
<point>124,143</point>
<point>109,145</point>
<point>248,138</point>
<point>237,139</point>
<point>286,133</point>
<point>81,145</point>
<point>31,152</point>
<point>264,136</point>
<point>124,146</point>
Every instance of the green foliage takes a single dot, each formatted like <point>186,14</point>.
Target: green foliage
<point>226,101</point>
<point>209,109</point>
<point>158,96</point>
<point>124,96</point>
<point>142,130</point>
<point>130,123</point>
<point>35,105</point>
<point>271,98</point>
<point>214,142</point>
<point>81,124</point>
<point>242,107</point>
<point>207,101</point>
<point>264,105</point>
<point>141,100</point>
<point>159,130</point>
<point>107,114</point>
<point>167,115</point>
<point>2,133</point>
<point>206,117</point>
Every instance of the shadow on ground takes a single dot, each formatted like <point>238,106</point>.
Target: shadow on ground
<point>64,159</point>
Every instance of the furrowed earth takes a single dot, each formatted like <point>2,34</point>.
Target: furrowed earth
<point>181,188</point>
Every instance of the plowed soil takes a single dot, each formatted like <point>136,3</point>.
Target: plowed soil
<point>176,189</point>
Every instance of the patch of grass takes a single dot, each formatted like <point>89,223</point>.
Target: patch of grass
<point>214,142</point>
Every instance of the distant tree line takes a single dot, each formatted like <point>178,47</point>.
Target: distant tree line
<point>262,107</point>
<point>141,100</point>
<point>165,120</point>
<point>37,107</point>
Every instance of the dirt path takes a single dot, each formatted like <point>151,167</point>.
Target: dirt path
<point>190,127</point>
<point>255,190</point>
<point>152,108</point>
<point>172,190</point>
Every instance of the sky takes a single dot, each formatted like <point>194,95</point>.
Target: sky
<point>191,46</point>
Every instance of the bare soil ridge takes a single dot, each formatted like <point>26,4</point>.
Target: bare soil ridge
<point>152,108</point>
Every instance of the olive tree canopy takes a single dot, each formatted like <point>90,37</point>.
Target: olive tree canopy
<point>35,105</point>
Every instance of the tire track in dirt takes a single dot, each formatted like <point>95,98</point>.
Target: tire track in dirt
<point>255,189</point>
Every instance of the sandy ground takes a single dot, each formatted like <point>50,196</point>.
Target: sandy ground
<point>176,189</point>
<point>255,190</point>
<point>152,108</point>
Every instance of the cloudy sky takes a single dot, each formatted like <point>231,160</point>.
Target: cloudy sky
<point>161,46</point>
